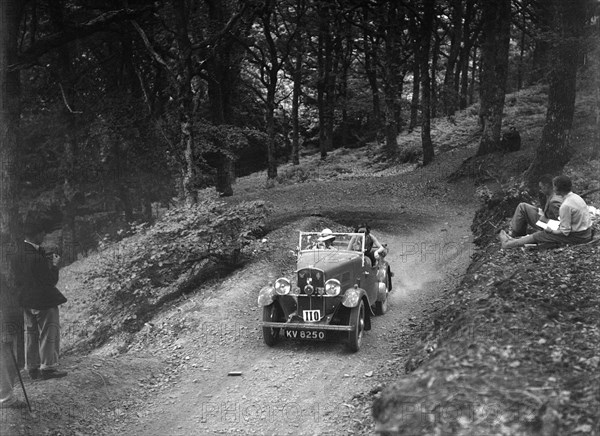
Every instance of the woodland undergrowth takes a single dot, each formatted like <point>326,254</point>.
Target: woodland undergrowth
<point>131,279</point>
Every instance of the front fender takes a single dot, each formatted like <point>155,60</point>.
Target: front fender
<point>352,297</point>
<point>266,296</point>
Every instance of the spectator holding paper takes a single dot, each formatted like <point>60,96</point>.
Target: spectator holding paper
<point>527,214</point>
<point>575,225</point>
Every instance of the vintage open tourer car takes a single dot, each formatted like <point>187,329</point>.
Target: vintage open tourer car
<point>333,294</point>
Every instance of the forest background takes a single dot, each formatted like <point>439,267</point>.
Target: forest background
<point>114,109</point>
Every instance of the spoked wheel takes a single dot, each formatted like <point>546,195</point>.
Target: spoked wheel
<point>271,314</point>
<point>357,320</point>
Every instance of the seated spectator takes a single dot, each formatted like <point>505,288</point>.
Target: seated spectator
<point>527,214</point>
<point>575,223</point>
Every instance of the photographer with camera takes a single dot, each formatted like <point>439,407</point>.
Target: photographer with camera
<point>37,275</point>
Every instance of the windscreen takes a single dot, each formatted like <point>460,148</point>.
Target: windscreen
<point>339,241</point>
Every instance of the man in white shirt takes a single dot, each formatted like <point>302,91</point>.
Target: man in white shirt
<point>575,221</point>
<point>527,214</point>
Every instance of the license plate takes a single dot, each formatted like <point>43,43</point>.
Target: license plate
<point>311,335</point>
<point>311,315</point>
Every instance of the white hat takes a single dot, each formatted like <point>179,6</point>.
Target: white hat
<point>326,234</point>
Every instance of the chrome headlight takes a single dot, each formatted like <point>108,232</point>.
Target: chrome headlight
<point>282,286</point>
<point>333,287</point>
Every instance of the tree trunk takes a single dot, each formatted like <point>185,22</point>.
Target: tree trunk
<point>323,63</point>
<point>222,77</point>
<point>296,104</point>
<point>398,105</point>
<point>416,70</point>
<point>462,83</point>
<point>346,55</point>
<point>433,78</point>
<point>295,120</point>
<point>285,131</point>
<point>330,102</point>
<point>426,31</point>
<point>345,126</point>
<point>554,150</point>
<point>333,53</point>
<point>189,171</point>
<point>494,58</point>
<point>11,318</point>
<point>272,70</point>
<point>371,73</point>
<point>225,175</point>
<point>270,118</point>
<point>471,84</point>
<point>391,71</point>
<point>69,161</point>
<point>449,94</point>
<point>371,69</point>
<point>391,130</point>
<point>521,53</point>
<point>184,97</point>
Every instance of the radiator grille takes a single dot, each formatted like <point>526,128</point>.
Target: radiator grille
<point>314,277</point>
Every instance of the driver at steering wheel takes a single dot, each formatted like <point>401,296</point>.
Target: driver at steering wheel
<point>325,241</point>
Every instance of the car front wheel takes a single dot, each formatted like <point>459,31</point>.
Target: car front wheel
<point>357,320</point>
<point>271,314</point>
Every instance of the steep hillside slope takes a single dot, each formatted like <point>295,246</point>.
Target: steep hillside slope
<point>515,349</point>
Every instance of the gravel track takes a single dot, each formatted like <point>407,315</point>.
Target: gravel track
<point>302,388</point>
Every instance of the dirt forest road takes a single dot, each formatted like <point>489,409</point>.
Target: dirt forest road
<point>302,388</point>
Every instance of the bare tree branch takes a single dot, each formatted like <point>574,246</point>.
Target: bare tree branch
<point>228,26</point>
<point>143,87</point>
<point>73,32</point>
<point>157,57</point>
<point>64,97</point>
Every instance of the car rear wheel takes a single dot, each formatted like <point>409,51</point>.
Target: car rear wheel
<point>381,307</point>
<point>357,320</point>
<point>271,314</point>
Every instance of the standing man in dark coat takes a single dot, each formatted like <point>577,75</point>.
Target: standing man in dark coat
<point>37,275</point>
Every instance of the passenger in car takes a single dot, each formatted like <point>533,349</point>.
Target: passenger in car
<point>372,245</point>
